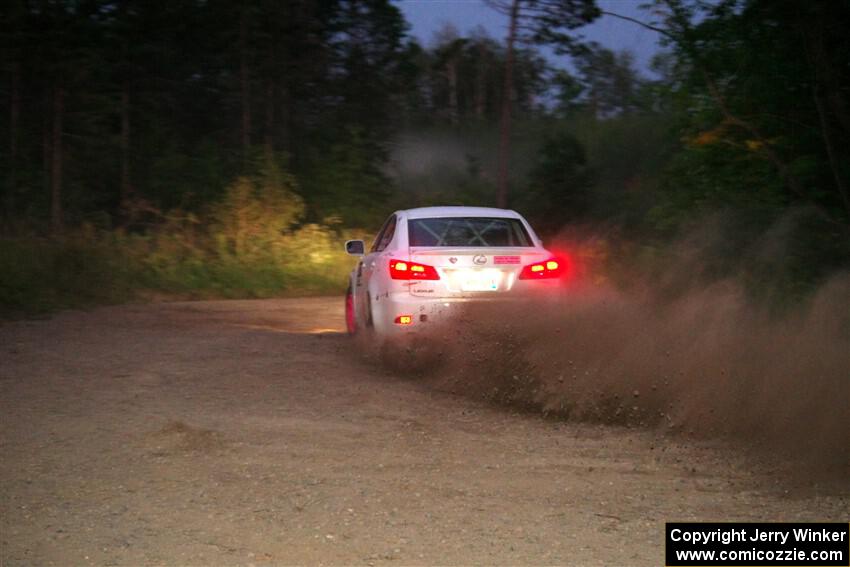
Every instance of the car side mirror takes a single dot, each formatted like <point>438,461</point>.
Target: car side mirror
<point>355,247</point>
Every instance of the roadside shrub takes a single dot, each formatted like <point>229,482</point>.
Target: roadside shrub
<point>248,244</point>
<point>39,275</point>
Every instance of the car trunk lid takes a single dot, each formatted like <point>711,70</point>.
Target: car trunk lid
<point>471,271</point>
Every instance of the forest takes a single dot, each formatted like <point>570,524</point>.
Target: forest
<point>213,148</point>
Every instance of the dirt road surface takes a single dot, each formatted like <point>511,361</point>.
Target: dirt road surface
<point>252,432</point>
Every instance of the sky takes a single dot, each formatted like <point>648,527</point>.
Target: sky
<point>428,16</point>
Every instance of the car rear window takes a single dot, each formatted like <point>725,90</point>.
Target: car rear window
<point>468,231</point>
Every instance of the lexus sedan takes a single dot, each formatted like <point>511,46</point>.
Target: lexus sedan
<point>425,262</point>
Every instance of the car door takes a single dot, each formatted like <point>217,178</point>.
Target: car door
<point>368,269</point>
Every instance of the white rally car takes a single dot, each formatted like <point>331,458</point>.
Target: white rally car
<point>426,261</point>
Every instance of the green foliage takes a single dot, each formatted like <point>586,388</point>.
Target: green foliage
<point>758,91</point>
<point>349,184</point>
<point>552,23</point>
<point>39,275</point>
<point>558,190</point>
<point>611,83</point>
<point>463,78</point>
<point>764,105</point>
<point>246,245</point>
<point>703,179</point>
<point>249,220</point>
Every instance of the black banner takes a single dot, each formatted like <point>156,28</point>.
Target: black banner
<point>757,544</point>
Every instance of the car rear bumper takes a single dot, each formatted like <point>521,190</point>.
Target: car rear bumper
<point>429,313</point>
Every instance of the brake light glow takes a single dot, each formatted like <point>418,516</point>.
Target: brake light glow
<point>549,269</point>
<point>400,270</point>
<point>403,320</point>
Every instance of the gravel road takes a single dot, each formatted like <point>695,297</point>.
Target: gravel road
<point>253,432</point>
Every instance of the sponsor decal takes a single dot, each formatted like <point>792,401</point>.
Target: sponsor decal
<point>506,260</point>
<point>479,259</point>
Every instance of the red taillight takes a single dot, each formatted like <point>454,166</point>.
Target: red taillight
<point>401,270</point>
<point>551,268</point>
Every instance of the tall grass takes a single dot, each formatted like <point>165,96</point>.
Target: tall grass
<point>39,275</point>
<point>249,244</point>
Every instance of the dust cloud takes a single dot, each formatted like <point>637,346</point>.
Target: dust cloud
<point>670,354</point>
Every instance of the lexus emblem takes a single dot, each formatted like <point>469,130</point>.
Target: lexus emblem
<point>453,260</point>
<point>479,259</point>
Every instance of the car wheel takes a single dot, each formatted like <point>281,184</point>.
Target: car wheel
<point>350,317</point>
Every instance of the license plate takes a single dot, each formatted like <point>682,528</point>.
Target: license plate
<point>479,281</point>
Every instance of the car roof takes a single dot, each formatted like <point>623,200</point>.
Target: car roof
<point>431,212</point>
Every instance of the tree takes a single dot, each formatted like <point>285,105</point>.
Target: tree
<point>69,60</point>
<point>559,182</point>
<point>348,182</point>
<point>537,22</point>
<point>759,91</point>
<point>447,54</point>
<point>757,74</point>
<point>611,83</point>
<point>366,42</point>
<point>14,36</point>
